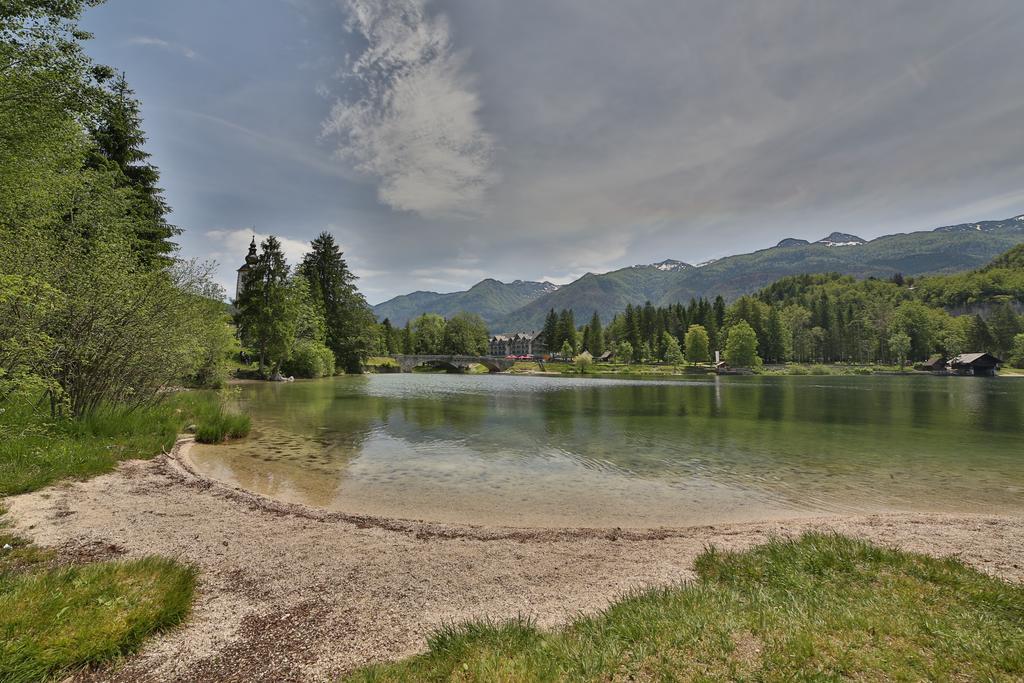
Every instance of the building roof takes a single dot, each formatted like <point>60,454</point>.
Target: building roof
<point>516,335</point>
<point>251,258</point>
<point>971,358</point>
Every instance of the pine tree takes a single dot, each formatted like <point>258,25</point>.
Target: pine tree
<point>596,342</point>
<point>267,314</point>
<point>387,331</point>
<point>551,340</point>
<point>351,325</point>
<point>567,329</point>
<point>774,343</point>
<point>632,324</point>
<point>119,141</point>
<point>980,338</point>
<point>407,338</point>
<point>1004,325</point>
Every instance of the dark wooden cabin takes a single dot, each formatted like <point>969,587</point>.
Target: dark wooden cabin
<point>977,364</point>
<point>936,363</point>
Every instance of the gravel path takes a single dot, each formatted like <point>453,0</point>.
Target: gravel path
<point>290,593</point>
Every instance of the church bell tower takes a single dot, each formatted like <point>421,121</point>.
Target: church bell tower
<point>250,260</point>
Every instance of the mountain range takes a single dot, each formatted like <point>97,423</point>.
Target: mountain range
<point>522,305</point>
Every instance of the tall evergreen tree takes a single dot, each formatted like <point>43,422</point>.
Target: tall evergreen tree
<point>119,141</point>
<point>1004,324</point>
<point>980,337</point>
<point>596,342</point>
<point>351,325</point>
<point>267,314</point>
<point>567,328</point>
<point>387,331</point>
<point>774,342</point>
<point>551,339</point>
<point>408,342</point>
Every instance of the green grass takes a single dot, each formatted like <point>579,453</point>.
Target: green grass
<point>606,369</point>
<point>820,608</point>
<point>222,425</point>
<point>36,451</point>
<point>833,369</point>
<point>54,621</point>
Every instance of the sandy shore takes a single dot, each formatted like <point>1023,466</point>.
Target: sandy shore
<point>292,593</point>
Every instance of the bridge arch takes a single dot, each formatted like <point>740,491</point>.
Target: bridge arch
<point>406,362</point>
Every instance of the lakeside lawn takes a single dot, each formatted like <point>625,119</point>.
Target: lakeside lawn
<point>54,620</point>
<point>57,618</point>
<point>36,450</point>
<point>821,607</point>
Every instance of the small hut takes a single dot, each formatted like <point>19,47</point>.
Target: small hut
<point>976,364</point>
<point>936,363</point>
<point>606,357</point>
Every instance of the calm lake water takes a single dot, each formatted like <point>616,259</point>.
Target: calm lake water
<point>552,451</point>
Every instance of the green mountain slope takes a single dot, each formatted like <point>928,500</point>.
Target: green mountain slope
<point>944,250</point>
<point>489,299</point>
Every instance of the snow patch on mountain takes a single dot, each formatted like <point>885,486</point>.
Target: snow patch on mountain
<point>841,239</point>
<point>671,265</point>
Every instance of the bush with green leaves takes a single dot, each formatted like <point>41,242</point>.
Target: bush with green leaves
<point>309,359</point>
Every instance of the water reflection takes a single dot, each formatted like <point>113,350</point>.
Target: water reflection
<point>565,451</point>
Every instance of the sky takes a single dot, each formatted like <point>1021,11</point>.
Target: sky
<point>445,141</point>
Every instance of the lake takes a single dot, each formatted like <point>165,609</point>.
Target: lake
<point>565,451</point>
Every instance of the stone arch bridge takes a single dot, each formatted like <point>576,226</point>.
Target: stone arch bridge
<point>454,363</point>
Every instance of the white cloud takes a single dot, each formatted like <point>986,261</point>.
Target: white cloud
<point>234,244</point>
<point>149,41</point>
<point>412,120</point>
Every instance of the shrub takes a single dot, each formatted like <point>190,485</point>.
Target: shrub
<point>221,426</point>
<point>309,359</point>
<point>583,362</point>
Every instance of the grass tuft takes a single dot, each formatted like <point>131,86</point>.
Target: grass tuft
<point>821,607</point>
<point>221,426</point>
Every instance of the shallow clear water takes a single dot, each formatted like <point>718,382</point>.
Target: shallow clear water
<point>553,451</point>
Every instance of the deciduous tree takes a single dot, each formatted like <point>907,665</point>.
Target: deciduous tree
<point>697,350</point>
<point>741,345</point>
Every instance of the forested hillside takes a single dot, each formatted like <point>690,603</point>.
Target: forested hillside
<point>824,318</point>
<point>944,250</point>
<point>489,298</point>
<point>522,306</point>
<point>1002,280</point>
